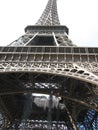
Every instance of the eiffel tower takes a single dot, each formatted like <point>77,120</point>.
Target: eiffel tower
<point>47,82</point>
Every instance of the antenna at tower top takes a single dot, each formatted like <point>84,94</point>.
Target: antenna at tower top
<point>50,14</point>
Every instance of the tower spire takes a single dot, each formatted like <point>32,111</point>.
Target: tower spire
<point>50,14</point>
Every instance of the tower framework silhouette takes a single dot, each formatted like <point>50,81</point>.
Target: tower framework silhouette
<point>47,82</point>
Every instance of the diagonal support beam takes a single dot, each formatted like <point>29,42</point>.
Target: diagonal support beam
<point>81,102</point>
<point>71,119</point>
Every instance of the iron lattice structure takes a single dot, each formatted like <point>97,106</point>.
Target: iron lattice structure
<point>64,77</point>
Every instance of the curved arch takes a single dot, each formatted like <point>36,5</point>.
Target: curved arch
<point>87,77</point>
<point>67,69</point>
<point>73,73</point>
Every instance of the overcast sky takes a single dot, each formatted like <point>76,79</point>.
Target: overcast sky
<point>80,16</point>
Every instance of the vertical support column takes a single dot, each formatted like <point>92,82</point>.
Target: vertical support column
<point>55,39</point>
<point>50,112</point>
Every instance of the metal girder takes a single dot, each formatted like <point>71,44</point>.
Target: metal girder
<point>65,69</point>
<point>50,15</point>
<point>59,38</point>
<point>72,122</point>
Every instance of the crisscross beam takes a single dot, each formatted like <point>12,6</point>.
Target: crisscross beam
<point>50,14</point>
